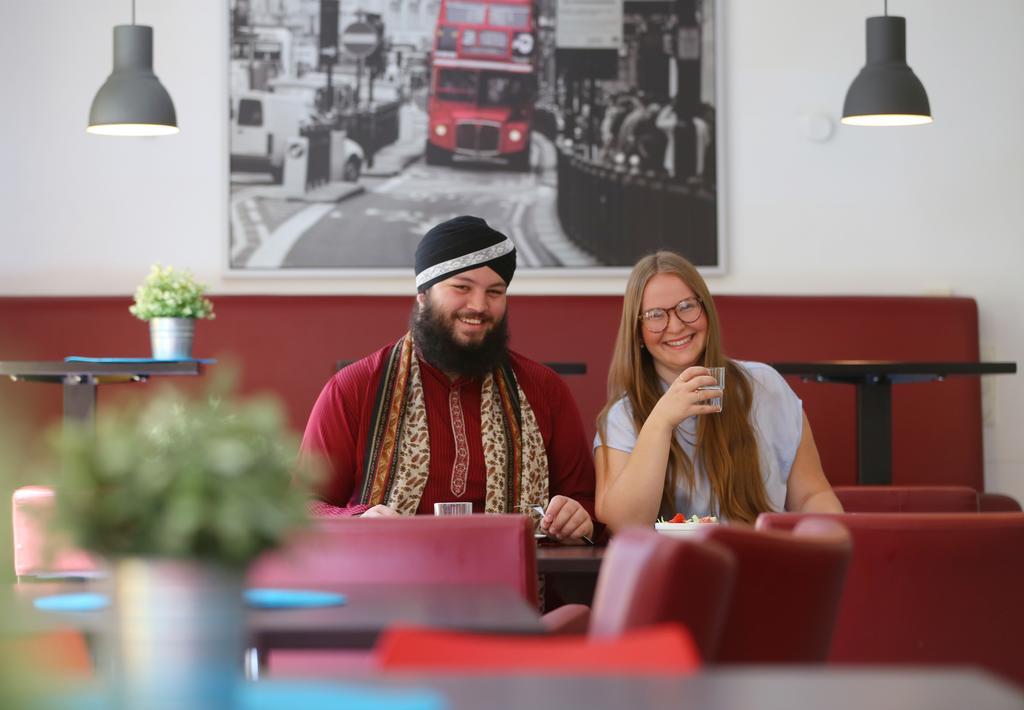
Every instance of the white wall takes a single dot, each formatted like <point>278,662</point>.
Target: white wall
<point>932,210</point>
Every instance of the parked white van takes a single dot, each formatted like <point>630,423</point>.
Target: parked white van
<point>261,124</point>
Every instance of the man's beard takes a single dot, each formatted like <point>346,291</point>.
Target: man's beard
<point>434,336</point>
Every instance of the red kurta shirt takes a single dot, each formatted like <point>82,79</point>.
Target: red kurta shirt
<point>338,425</point>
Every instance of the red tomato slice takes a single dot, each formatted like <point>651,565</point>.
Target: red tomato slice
<point>678,518</point>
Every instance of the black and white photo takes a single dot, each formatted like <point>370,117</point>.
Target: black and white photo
<point>587,131</point>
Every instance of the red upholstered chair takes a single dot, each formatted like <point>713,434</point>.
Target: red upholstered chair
<point>647,578</point>
<point>931,588</point>
<point>997,503</point>
<point>907,499</point>
<point>37,551</point>
<point>787,591</point>
<point>487,549</point>
<point>656,650</point>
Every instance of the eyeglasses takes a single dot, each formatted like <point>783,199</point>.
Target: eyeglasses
<point>655,320</point>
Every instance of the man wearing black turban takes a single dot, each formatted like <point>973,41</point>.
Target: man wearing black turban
<point>449,414</point>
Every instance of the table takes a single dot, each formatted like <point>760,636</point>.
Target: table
<point>569,559</point>
<point>874,380</point>
<point>80,379</point>
<point>734,689</point>
<point>368,611</point>
<point>569,572</point>
<point>738,688</point>
<point>371,608</point>
<point>731,689</point>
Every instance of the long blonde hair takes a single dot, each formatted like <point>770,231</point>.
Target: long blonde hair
<point>726,446</point>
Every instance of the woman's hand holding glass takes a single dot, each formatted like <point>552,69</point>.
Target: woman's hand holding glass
<point>685,398</point>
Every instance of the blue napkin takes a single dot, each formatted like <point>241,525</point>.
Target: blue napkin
<point>136,360</point>
<point>291,598</point>
<point>85,601</point>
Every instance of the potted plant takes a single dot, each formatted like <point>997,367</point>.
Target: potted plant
<point>171,301</point>
<point>179,495</point>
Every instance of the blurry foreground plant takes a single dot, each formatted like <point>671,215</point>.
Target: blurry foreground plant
<point>206,479</point>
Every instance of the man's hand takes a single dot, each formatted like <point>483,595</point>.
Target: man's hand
<point>381,511</point>
<point>566,520</point>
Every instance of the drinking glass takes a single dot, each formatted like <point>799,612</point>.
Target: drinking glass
<point>719,374</point>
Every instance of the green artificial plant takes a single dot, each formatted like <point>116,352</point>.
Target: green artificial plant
<point>204,478</point>
<point>167,293</point>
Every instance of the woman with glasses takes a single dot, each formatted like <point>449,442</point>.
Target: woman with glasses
<point>662,448</point>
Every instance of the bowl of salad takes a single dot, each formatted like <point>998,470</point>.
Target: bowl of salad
<point>680,525</point>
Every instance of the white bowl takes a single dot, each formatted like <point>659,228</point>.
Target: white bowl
<point>680,529</point>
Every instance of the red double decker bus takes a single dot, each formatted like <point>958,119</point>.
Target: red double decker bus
<point>483,82</point>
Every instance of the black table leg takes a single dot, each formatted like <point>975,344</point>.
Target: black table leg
<point>874,431</point>
<point>79,398</point>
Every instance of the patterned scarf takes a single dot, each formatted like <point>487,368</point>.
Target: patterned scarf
<point>397,460</point>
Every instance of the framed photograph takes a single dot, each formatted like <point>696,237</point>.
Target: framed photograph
<point>586,130</point>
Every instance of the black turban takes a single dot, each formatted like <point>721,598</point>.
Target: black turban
<point>460,244</point>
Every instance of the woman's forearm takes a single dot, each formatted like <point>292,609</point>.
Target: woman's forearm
<point>822,502</point>
<point>634,496</point>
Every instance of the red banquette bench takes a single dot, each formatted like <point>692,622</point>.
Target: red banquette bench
<point>290,344</point>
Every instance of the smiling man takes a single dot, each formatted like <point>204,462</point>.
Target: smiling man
<point>450,414</point>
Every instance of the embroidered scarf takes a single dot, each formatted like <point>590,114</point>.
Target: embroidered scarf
<point>397,461</point>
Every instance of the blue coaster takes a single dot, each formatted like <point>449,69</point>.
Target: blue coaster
<point>85,601</point>
<point>291,598</point>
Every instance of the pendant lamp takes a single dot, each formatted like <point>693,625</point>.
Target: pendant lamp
<point>886,92</point>
<point>132,101</point>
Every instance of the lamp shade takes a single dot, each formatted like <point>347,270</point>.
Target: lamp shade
<point>132,101</point>
<point>886,92</point>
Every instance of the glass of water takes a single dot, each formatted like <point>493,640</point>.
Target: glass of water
<point>719,374</point>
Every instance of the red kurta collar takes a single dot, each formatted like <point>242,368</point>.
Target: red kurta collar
<point>428,369</point>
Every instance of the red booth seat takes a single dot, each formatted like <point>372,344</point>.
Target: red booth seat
<point>997,503</point>
<point>907,499</point>
<point>936,425</point>
<point>930,588</point>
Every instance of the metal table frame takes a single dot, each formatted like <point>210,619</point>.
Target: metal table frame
<point>874,380</point>
<point>80,379</point>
